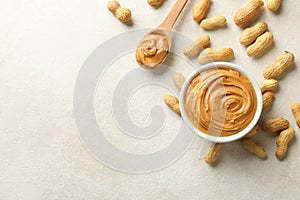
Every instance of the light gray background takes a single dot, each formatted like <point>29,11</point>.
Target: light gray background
<point>42,47</point>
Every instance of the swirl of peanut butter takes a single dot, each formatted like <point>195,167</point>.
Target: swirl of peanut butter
<point>152,50</point>
<point>220,100</point>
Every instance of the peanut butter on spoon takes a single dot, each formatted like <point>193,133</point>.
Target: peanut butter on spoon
<point>153,49</point>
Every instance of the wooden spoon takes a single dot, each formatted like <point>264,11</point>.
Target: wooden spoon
<point>153,49</point>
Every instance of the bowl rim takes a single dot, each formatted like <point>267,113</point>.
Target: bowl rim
<point>225,139</point>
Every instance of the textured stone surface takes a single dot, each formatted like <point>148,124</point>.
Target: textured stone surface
<point>42,47</point>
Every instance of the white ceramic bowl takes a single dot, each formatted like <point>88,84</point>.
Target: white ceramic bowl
<point>220,139</point>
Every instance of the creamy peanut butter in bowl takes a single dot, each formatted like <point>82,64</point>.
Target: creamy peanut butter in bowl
<point>221,102</point>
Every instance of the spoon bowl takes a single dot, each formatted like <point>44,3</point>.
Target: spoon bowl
<point>153,49</point>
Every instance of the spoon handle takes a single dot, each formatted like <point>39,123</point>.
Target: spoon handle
<point>170,20</point>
